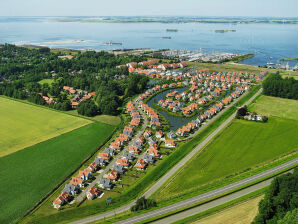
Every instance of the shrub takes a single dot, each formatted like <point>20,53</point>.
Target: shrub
<point>143,203</point>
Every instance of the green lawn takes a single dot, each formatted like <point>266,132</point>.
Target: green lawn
<point>30,174</point>
<point>23,125</point>
<point>242,145</point>
<point>275,106</point>
<point>48,81</point>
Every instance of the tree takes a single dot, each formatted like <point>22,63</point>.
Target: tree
<point>143,203</point>
<point>275,85</point>
<point>241,112</point>
<point>88,108</point>
<point>291,217</point>
<point>280,198</point>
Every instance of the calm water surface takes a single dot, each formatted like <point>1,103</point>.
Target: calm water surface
<point>269,42</point>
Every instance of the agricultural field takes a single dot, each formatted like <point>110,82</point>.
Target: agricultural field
<point>241,146</point>
<point>242,213</point>
<point>275,106</point>
<point>107,119</point>
<point>31,173</point>
<point>23,125</point>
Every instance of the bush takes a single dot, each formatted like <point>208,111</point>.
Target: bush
<point>241,112</point>
<point>265,119</point>
<point>143,203</point>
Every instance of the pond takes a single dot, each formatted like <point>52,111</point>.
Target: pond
<point>174,121</point>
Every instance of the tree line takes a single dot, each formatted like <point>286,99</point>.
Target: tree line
<point>277,86</point>
<point>280,203</point>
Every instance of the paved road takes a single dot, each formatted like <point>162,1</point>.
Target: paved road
<point>81,196</point>
<point>209,195</point>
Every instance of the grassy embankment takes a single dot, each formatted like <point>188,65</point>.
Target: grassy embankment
<point>135,189</point>
<point>31,173</point>
<point>240,147</point>
<point>23,125</point>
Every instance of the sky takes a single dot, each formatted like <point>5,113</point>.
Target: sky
<point>257,8</point>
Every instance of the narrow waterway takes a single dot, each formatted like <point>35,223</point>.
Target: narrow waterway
<point>174,121</point>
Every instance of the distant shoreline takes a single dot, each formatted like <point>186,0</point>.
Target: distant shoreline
<point>177,19</point>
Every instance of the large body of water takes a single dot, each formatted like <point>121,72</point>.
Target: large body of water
<point>269,42</point>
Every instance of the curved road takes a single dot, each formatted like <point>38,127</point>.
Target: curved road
<point>171,172</point>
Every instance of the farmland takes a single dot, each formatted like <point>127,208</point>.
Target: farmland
<point>33,172</point>
<point>242,145</point>
<point>243,213</point>
<point>274,106</point>
<point>107,119</point>
<point>23,125</point>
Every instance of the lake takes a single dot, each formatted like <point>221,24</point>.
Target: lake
<point>269,42</point>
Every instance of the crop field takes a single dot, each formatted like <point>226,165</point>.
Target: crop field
<point>23,125</point>
<point>243,213</point>
<point>275,106</point>
<point>244,144</point>
<point>31,173</point>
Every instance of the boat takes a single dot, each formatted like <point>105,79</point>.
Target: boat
<point>171,30</point>
<point>109,43</point>
<point>166,37</point>
<point>270,63</point>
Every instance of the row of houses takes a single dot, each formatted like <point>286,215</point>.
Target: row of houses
<point>102,159</point>
<point>73,187</point>
<point>122,163</point>
<point>154,119</point>
<point>153,65</point>
<point>183,131</point>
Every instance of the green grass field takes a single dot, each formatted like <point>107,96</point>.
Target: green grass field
<point>48,81</point>
<point>275,106</point>
<point>290,76</point>
<point>241,146</point>
<point>30,174</point>
<point>231,66</point>
<point>107,119</point>
<point>23,125</point>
